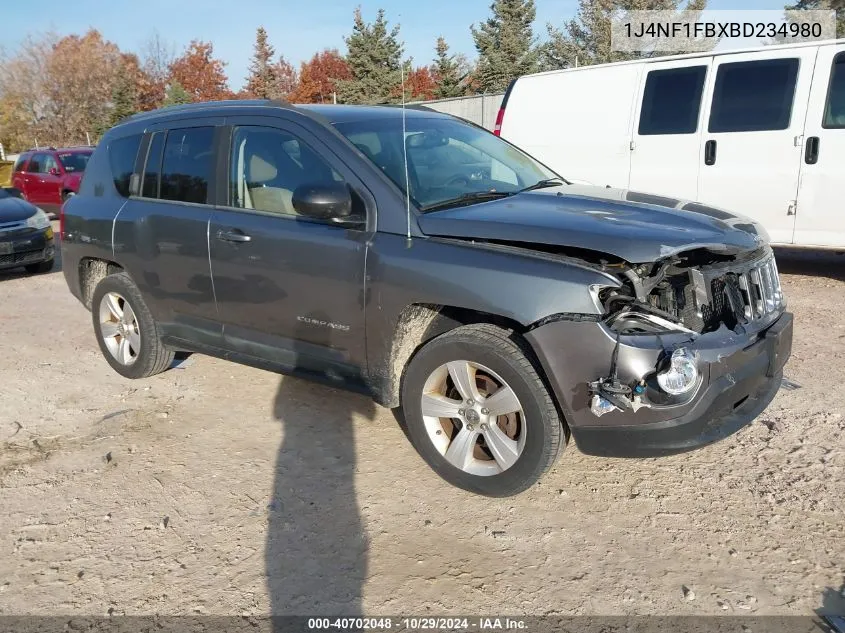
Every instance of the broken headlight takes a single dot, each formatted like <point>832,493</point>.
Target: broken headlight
<point>682,373</point>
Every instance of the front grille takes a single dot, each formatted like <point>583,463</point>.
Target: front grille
<point>21,258</point>
<point>749,294</point>
<point>706,297</point>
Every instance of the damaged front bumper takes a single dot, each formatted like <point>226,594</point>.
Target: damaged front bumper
<point>739,375</point>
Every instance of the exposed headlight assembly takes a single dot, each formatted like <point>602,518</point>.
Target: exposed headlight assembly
<point>39,220</point>
<point>682,374</point>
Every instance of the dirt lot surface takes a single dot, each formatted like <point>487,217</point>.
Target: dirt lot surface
<point>221,489</point>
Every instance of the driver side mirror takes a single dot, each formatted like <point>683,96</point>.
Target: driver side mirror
<point>323,201</point>
<point>54,171</point>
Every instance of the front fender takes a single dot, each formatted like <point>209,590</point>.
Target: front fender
<point>515,284</point>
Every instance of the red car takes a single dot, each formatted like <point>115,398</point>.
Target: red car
<point>48,176</point>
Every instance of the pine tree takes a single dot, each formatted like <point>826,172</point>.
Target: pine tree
<point>374,59</point>
<point>124,99</point>
<point>447,73</point>
<point>263,74</point>
<point>585,39</point>
<point>506,44</point>
<point>176,95</point>
<point>837,5</point>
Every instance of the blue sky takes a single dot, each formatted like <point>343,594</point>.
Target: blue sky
<point>297,29</point>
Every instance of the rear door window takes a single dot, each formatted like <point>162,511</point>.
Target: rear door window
<point>754,96</point>
<point>834,110</point>
<point>123,153</point>
<point>672,101</point>
<point>187,165</point>
<point>36,164</point>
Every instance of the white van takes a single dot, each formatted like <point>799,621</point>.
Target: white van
<point>760,132</point>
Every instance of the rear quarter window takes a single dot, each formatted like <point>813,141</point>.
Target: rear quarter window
<point>20,162</point>
<point>122,155</point>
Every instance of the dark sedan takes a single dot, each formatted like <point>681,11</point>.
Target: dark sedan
<point>26,235</point>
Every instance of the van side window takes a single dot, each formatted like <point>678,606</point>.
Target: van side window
<point>268,165</point>
<point>754,96</point>
<point>122,155</point>
<point>834,109</point>
<point>187,165</point>
<point>672,101</point>
<point>152,169</point>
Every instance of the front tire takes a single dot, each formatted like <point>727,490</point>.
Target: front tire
<point>478,412</point>
<point>126,331</point>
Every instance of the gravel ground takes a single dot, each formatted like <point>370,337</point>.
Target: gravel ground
<point>221,489</point>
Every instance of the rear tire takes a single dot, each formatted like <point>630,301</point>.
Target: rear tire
<point>67,195</point>
<point>503,451</point>
<point>41,267</point>
<point>128,336</point>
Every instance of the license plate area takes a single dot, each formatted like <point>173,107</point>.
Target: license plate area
<point>779,339</point>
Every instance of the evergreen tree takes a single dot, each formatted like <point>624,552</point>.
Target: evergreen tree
<point>124,99</point>
<point>585,39</point>
<point>263,74</point>
<point>506,44</point>
<point>447,73</point>
<point>176,95</point>
<point>374,58</point>
<point>837,5</point>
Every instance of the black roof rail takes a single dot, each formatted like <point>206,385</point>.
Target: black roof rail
<point>205,105</point>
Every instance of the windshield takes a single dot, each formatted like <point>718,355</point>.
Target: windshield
<point>449,162</point>
<point>75,161</point>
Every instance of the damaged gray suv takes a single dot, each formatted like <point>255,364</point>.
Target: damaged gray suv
<point>432,265</point>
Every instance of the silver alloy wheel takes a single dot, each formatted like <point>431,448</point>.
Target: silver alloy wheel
<point>119,328</point>
<point>473,418</point>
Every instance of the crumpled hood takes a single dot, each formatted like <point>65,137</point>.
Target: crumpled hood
<point>13,209</point>
<point>633,226</point>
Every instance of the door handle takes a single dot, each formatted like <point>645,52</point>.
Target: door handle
<point>710,153</point>
<point>233,235</point>
<point>811,151</point>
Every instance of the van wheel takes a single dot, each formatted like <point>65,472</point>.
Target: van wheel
<point>478,413</point>
<point>126,331</point>
<point>67,195</point>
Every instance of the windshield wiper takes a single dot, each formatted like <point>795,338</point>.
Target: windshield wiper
<point>542,184</point>
<point>467,198</point>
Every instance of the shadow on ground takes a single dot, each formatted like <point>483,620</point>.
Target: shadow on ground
<point>833,601</point>
<point>794,261</point>
<point>316,555</point>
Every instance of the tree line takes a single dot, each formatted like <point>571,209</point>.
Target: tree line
<point>66,90</point>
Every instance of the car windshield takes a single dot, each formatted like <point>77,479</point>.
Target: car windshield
<point>74,161</point>
<point>450,163</point>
